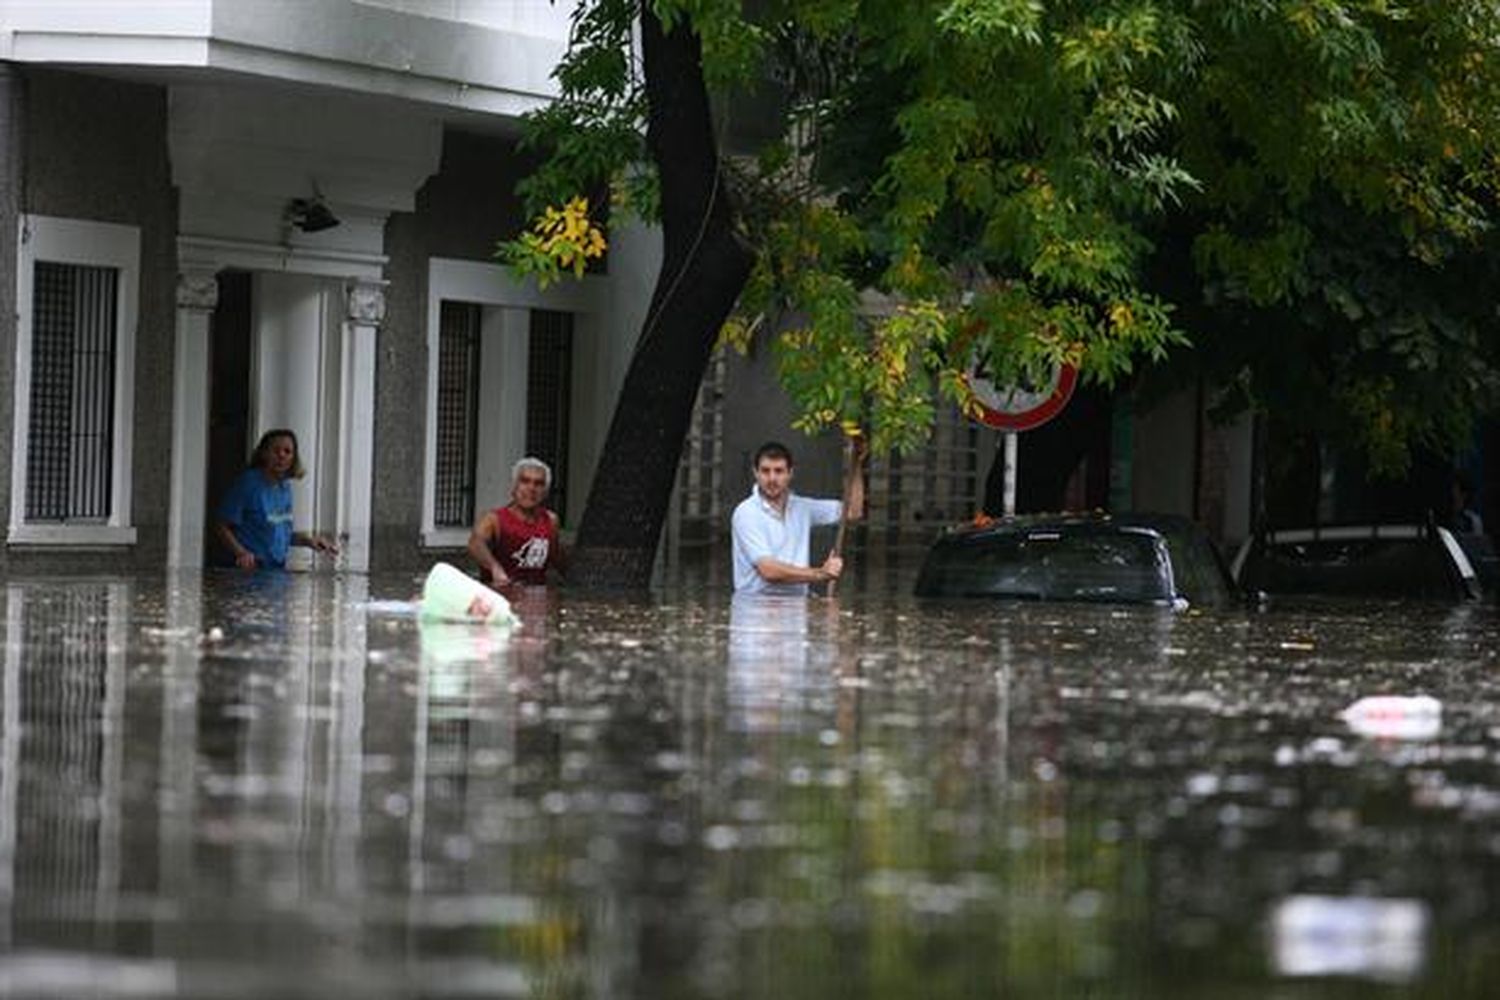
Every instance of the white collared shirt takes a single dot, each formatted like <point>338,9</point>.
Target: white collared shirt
<point>761,531</point>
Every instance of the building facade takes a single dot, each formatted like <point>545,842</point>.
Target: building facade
<point>225,216</point>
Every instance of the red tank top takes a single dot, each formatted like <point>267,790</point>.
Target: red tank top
<point>525,548</point>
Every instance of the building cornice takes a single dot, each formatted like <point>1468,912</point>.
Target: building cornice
<point>330,43</point>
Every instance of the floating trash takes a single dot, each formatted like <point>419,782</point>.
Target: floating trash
<point>452,595</point>
<point>1382,939</point>
<point>1396,717</point>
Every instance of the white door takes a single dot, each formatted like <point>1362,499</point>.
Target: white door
<point>296,381</point>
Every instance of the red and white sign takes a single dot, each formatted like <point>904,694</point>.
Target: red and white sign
<point>1022,408</point>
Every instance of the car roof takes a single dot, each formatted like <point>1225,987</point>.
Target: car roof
<point>1430,536</point>
<point>1135,522</point>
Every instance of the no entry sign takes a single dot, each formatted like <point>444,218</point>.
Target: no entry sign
<point>1022,408</point>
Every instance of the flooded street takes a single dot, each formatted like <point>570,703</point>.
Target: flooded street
<point>288,786</point>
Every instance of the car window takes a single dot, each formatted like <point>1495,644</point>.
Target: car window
<point>1366,567</point>
<point>1197,569</point>
<point>1049,565</point>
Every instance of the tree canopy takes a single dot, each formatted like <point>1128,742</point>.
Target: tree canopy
<point>1335,265</point>
<point>1303,189</point>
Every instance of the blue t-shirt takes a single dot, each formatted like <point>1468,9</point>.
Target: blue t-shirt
<point>260,512</point>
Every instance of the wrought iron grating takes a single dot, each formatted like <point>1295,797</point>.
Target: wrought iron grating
<point>71,426</point>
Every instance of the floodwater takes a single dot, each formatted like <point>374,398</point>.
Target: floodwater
<point>289,787</point>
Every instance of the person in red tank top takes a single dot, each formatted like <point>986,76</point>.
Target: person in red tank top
<point>518,543</point>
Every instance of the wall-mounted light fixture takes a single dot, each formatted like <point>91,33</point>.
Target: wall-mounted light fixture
<point>311,215</point>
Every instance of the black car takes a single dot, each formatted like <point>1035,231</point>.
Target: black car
<point>1421,561</point>
<point>1126,558</point>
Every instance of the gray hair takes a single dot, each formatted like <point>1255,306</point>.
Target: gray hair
<point>531,462</point>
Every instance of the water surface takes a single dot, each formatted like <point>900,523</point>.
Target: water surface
<point>233,787</point>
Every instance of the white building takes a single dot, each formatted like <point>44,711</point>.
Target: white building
<point>168,180</point>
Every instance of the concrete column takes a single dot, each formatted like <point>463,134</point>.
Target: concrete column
<point>197,295</point>
<point>12,172</point>
<point>364,312</point>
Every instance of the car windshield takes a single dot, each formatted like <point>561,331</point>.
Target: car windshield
<point>1067,564</point>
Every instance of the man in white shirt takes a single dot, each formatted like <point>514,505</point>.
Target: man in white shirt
<point>771,528</point>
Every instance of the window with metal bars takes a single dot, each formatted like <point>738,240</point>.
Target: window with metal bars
<point>457,413</point>
<point>548,377</point>
<point>71,432</point>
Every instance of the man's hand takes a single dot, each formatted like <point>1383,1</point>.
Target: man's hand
<point>244,559</point>
<point>833,566</point>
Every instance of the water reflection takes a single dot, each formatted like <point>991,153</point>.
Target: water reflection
<point>236,787</point>
<point>62,755</point>
<point>774,673</point>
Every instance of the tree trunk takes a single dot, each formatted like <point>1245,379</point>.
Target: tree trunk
<point>704,267</point>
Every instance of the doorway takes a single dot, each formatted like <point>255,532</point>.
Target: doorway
<point>228,398</point>
<point>275,361</point>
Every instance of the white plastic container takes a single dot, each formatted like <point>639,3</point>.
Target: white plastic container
<point>452,595</point>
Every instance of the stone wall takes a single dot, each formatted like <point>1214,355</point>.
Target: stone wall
<point>462,212</point>
<point>95,149</point>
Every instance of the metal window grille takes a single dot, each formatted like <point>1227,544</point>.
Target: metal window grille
<point>71,427</point>
<point>548,376</point>
<point>457,413</point>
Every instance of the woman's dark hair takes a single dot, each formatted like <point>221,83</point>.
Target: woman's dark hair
<point>263,447</point>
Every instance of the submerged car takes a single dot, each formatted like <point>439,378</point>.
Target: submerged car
<point>1425,562</point>
<point>1128,558</point>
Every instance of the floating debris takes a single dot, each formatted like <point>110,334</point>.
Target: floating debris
<point>450,594</point>
<point>1383,939</point>
<point>1396,717</point>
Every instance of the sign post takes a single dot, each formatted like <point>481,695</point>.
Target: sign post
<point>1008,496</point>
<point>1016,408</point>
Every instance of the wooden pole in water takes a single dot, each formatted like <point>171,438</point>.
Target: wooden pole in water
<point>853,460</point>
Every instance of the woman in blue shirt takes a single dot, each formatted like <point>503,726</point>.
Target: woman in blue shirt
<point>254,520</point>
